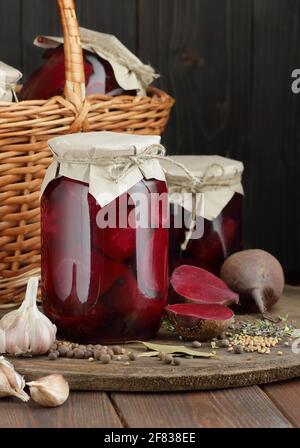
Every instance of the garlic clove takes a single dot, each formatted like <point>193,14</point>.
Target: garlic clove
<point>49,391</point>
<point>43,333</point>
<point>27,330</point>
<point>17,336</point>
<point>2,342</point>
<point>11,382</point>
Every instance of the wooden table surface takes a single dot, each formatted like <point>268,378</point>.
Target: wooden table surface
<point>274,405</point>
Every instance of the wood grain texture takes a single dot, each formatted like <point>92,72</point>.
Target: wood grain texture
<point>151,375</point>
<point>229,65</point>
<point>247,407</point>
<point>286,396</point>
<point>272,221</point>
<point>187,43</point>
<point>239,79</point>
<point>116,17</point>
<point>37,18</point>
<point>10,33</point>
<point>82,410</point>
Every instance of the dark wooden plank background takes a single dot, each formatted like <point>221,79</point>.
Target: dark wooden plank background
<point>228,63</point>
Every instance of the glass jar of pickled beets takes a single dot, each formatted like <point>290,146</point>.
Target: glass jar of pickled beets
<point>207,199</point>
<point>104,246</point>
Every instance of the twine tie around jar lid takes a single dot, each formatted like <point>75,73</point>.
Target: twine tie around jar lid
<point>119,166</point>
<point>201,184</point>
<point>4,86</point>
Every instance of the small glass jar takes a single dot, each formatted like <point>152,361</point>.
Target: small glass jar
<point>219,217</point>
<point>103,284</point>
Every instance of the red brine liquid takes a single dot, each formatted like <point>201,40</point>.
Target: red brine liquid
<point>101,285</point>
<point>221,238</point>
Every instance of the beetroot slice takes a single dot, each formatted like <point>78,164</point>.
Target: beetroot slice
<point>196,285</point>
<point>201,322</point>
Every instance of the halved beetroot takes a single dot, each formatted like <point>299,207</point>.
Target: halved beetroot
<point>200,322</point>
<point>196,285</point>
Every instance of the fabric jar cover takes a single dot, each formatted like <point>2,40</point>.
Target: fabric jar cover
<point>9,77</point>
<point>111,163</point>
<point>219,178</point>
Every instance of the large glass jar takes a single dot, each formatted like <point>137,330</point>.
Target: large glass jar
<point>219,219</point>
<point>103,284</point>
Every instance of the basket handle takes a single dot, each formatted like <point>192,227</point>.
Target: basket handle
<point>74,65</point>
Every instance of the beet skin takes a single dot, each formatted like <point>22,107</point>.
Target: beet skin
<point>256,276</point>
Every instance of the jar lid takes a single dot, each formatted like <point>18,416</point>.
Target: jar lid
<point>219,179</point>
<point>12,75</point>
<point>109,162</point>
<point>100,144</point>
<point>9,77</point>
<point>129,71</point>
<point>199,166</point>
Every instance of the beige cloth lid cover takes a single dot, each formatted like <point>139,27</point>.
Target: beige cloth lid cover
<point>130,72</point>
<point>9,76</point>
<point>81,156</point>
<point>214,198</point>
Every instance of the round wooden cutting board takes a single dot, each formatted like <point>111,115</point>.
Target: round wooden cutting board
<point>151,375</point>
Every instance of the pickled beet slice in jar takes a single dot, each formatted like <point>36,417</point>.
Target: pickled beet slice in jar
<point>127,312</point>
<point>118,243</point>
<point>77,286</point>
<point>208,249</point>
<point>152,261</point>
<point>231,235</point>
<point>124,296</point>
<point>220,239</point>
<point>123,313</point>
<point>159,207</point>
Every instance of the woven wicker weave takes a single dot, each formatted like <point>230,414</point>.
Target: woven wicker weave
<point>25,128</point>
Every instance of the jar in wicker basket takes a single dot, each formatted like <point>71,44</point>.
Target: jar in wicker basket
<point>25,128</point>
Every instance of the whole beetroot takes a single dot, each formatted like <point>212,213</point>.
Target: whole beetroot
<point>256,276</point>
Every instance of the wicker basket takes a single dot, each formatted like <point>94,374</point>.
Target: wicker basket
<point>25,128</point>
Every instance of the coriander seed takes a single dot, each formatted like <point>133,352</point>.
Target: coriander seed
<point>238,349</point>
<point>117,350</point>
<point>132,356</point>
<point>105,359</point>
<point>62,350</point>
<point>224,343</point>
<point>168,359</point>
<point>78,353</point>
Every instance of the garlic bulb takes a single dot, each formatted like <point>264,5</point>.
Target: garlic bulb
<point>27,330</point>
<point>11,382</point>
<point>49,391</point>
<point>2,342</point>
